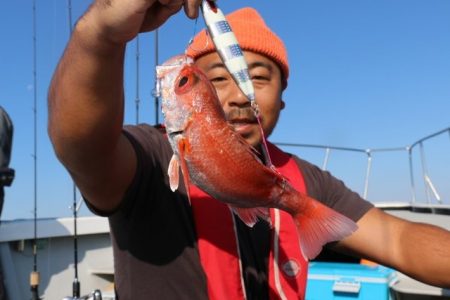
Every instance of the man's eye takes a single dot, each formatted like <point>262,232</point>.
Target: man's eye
<point>259,78</point>
<point>217,79</point>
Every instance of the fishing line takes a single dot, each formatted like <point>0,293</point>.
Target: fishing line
<point>265,148</point>
<point>194,33</point>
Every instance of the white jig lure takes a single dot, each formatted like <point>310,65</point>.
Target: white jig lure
<point>232,56</point>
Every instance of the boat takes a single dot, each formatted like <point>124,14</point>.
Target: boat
<point>93,269</point>
<point>72,256</point>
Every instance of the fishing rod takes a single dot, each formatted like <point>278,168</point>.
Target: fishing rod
<point>138,100</point>
<point>96,294</point>
<point>76,282</point>
<point>155,92</point>
<point>34,275</point>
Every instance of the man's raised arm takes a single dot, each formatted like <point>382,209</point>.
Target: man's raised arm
<point>86,97</point>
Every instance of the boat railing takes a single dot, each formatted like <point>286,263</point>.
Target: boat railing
<point>416,150</point>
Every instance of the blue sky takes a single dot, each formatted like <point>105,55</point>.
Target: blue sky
<point>364,74</point>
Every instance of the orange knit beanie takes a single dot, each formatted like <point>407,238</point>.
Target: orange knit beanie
<point>252,34</point>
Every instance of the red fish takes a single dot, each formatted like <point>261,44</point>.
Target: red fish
<point>220,162</point>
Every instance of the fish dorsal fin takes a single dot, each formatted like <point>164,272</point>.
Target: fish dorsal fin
<point>251,215</point>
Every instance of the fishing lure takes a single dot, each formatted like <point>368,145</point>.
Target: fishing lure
<point>232,56</point>
<point>228,47</point>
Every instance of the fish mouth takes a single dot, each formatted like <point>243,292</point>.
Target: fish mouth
<point>174,133</point>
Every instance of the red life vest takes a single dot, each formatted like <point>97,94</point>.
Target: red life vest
<point>219,248</point>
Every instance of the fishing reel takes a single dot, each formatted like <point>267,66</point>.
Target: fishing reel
<point>95,295</point>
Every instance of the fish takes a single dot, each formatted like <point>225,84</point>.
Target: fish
<point>215,158</point>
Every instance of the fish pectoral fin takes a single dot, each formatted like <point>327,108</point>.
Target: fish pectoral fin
<point>173,172</point>
<point>184,146</point>
<point>251,215</point>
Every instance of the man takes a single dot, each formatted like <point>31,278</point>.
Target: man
<point>163,247</point>
<point>6,174</point>
<point>6,135</point>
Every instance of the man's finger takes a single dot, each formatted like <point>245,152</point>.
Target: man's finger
<point>191,8</point>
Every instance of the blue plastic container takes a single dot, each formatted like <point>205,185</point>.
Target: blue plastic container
<point>330,281</point>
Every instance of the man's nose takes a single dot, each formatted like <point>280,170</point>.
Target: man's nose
<point>237,97</point>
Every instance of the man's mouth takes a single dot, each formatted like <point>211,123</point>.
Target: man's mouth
<point>242,120</point>
<point>243,126</point>
<point>241,115</point>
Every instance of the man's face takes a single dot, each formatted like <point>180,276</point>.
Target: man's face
<point>266,78</point>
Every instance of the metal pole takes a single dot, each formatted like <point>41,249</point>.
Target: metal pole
<point>424,172</point>
<point>366,181</point>
<point>433,189</point>
<point>411,175</point>
<point>325,161</point>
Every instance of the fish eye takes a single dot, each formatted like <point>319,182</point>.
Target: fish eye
<point>182,81</point>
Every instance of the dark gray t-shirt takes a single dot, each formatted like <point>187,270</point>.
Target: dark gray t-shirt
<point>153,233</point>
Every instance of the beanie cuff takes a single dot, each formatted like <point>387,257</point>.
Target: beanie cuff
<point>252,34</point>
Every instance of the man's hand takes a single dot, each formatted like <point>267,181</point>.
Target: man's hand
<point>119,21</point>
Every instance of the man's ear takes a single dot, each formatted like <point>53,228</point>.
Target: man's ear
<point>282,104</point>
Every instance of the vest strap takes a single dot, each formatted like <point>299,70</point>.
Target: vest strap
<point>219,247</point>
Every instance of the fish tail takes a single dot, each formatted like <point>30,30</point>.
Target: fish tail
<point>318,225</point>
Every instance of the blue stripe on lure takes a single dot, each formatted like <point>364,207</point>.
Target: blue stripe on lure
<point>232,56</point>
<point>228,47</point>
